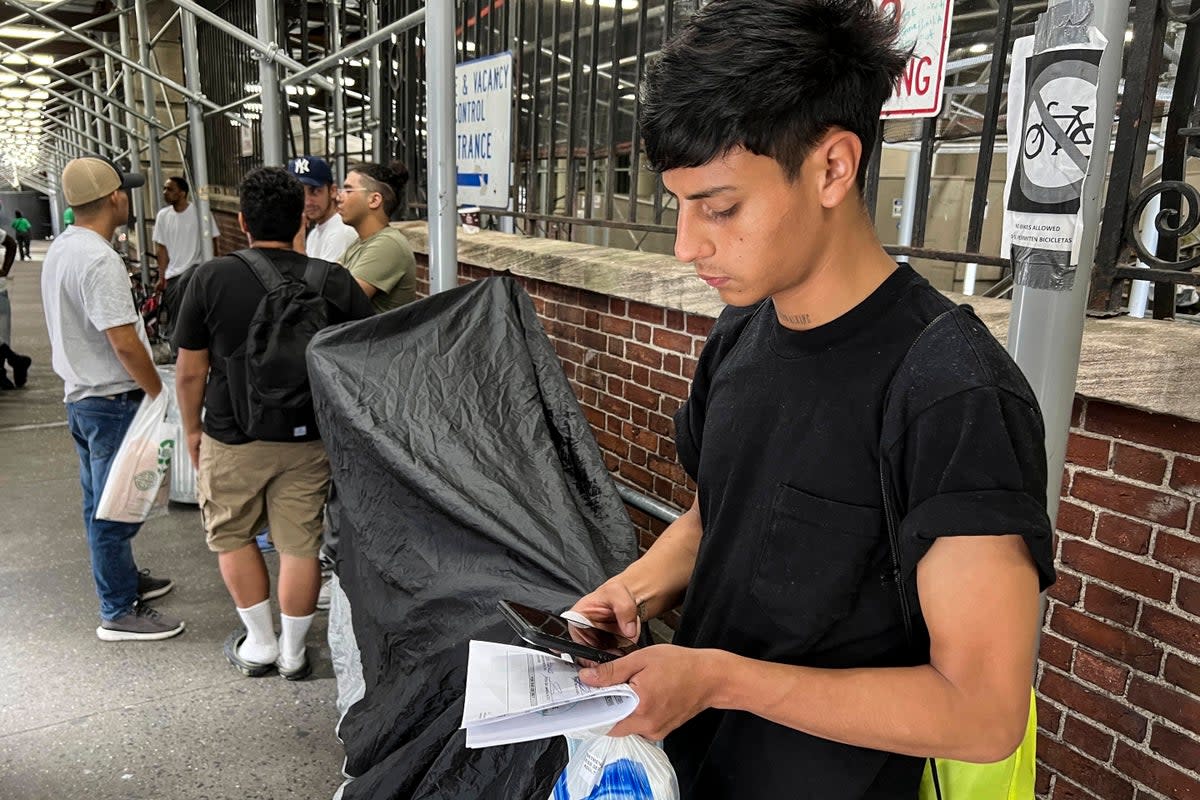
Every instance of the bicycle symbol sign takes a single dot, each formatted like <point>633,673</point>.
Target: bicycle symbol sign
<point>1076,131</point>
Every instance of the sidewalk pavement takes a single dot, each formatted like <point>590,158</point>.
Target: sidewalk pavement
<point>82,719</point>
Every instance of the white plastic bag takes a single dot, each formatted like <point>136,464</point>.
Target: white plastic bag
<point>615,768</point>
<point>135,491</point>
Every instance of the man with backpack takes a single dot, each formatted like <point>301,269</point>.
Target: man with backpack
<point>243,326</point>
<point>859,572</point>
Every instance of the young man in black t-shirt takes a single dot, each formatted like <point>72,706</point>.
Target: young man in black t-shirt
<point>244,483</point>
<point>792,673</point>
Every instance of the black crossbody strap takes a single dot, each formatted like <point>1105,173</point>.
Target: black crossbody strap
<point>266,272</point>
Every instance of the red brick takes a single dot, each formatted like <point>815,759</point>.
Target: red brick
<point>641,437</point>
<point>1056,651</point>
<point>1075,519</point>
<point>689,368</point>
<point>1187,596</point>
<point>617,307</point>
<point>661,425</point>
<point>674,319</point>
<point>1065,790</point>
<point>643,355</point>
<point>1165,779</point>
<point>1136,501</point>
<point>1183,750</point>
<point>698,326</point>
<point>1064,488</point>
<point>1094,705</point>
<point>612,443</point>
<point>672,364</point>
<point>1183,672</point>
<point>641,397</point>
<point>591,377</point>
<point>593,340</point>
<point>1171,629</point>
<point>636,475</point>
<point>571,314</point>
<point>653,314</point>
<point>640,375</point>
<point>616,346</point>
<point>595,417</point>
<point>1118,607</point>
<point>1179,552</point>
<point>1067,588</point>
<point>1156,430</point>
<point>617,326</point>
<point>1185,476</point>
<point>1100,672</point>
<point>697,346</point>
<point>1143,465</point>
<point>639,417</point>
<point>1042,782</point>
<point>669,405</point>
<point>1082,770</point>
<point>594,301</point>
<point>670,340</point>
<point>559,330</point>
<point>1182,709</point>
<point>613,405</point>
<point>1088,738</point>
<point>614,366</point>
<point>1078,404</point>
<point>638,456</point>
<point>1049,716</point>
<point>1123,533</point>
<point>1088,451</point>
<point>562,294</point>
<point>667,469</point>
<point>643,333</point>
<point>675,387</point>
<point>1124,646</point>
<point>1114,568</point>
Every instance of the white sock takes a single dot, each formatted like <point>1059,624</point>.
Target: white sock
<point>292,633</point>
<point>260,645</point>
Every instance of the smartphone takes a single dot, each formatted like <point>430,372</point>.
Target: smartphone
<point>564,637</point>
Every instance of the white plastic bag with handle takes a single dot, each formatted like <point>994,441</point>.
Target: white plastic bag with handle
<point>615,768</point>
<point>135,490</point>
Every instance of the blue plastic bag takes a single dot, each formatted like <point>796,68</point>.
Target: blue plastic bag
<point>615,768</point>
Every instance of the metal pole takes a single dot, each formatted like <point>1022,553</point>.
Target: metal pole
<point>268,80</point>
<point>151,107</point>
<point>339,92</point>
<point>110,73</point>
<point>266,47</point>
<point>374,82</point>
<point>1139,291</point>
<point>141,224</point>
<point>1045,331</point>
<point>191,67</point>
<point>443,212</point>
<point>908,202</point>
<point>101,118</point>
<point>310,72</point>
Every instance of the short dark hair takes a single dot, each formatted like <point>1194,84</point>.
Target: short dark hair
<point>771,76</point>
<point>390,181</point>
<point>272,202</point>
<point>181,182</point>
<point>17,213</point>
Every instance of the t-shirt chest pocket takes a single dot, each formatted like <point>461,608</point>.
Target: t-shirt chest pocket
<point>812,560</point>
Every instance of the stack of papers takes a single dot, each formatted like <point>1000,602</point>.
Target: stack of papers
<point>515,694</point>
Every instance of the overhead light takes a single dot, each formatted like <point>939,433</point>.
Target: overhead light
<point>14,91</point>
<point>252,88</point>
<point>39,94</point>
<point>31,32</point>
<point>977,48</point>
<point>626,5</point>
<point>1129,35</point>
<point>38,79</point>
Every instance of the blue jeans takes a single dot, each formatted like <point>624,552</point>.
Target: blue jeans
<point>98,425</point>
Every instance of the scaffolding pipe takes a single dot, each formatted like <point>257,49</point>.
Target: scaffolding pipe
<point>110,80</point>
<point>138,198</point>
<point>163,30</point>
<point>443,216</point>
<point>339,92</point>
<point>265,47</point>
<point>101,118</point>
<point>383,34</point>
<point>191,67</point>
<point>268,81</point>
<point>154,146</point>
<point>374,81</point>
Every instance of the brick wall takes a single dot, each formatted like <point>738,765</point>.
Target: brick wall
<point>1119,678</point>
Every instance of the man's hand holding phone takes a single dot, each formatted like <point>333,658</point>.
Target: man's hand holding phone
<point>613,607</point>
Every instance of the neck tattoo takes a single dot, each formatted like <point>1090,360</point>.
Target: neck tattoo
<point>796,319</point>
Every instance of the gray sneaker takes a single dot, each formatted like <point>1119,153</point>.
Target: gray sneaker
<point>150,587</point>
<point>143,624</point>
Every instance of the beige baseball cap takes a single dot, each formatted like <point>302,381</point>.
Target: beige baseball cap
<point>92,177</point>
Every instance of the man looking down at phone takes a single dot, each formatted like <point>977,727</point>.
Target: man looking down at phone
<point>792,674</point>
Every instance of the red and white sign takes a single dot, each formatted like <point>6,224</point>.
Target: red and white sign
<point>924,26</point>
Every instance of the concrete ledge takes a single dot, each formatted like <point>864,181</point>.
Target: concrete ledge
<point>1143,364</point>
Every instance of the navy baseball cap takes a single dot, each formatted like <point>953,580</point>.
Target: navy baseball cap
<point>311,170</point>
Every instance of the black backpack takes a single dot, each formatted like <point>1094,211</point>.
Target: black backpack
<point>268,374</point>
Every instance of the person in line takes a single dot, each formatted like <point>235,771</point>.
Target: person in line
<point>381,260</point>
<point>328,236</point>
<point>793,672</point>
<point>99,349</point>
<point>21,227</point>
<point>20,364</point>
<point>177,235</point>
<point>246,483</point>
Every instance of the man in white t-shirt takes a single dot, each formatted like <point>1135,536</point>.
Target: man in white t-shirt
<point>99,349</point>
<point>328,236</point>
<point>177,234</point>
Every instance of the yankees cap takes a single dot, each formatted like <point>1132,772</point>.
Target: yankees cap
<point>311,170</point>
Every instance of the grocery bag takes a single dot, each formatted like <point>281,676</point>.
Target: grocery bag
<point>615,768</point>
<point>135,490</point>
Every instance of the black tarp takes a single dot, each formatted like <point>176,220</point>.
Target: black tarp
<point>466,473</point>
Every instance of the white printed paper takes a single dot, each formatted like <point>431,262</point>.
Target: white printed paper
<point>515,694</point>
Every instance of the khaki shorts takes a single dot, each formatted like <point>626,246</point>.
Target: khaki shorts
<point>245,487</point>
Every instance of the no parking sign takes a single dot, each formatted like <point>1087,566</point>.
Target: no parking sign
<point>925,27</point>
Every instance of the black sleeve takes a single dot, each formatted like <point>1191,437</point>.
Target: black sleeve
<point>347,296</point>
<point>689,419</point>
<point>191,328</point>
<point>974,464</point>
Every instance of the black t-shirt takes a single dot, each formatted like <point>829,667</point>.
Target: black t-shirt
<point>215,315</point>
<point>782,436</point>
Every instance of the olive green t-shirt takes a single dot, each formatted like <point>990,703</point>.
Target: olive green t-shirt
<point>385,261</point>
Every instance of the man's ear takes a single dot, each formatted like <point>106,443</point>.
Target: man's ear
<point>840,153</point>
<point>242,223</point>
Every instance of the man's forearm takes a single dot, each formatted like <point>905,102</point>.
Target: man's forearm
<point>190,393</point>
<point>139,366</point>
<point>658,579</point>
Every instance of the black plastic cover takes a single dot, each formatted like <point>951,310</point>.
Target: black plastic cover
<point>466,473</point>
